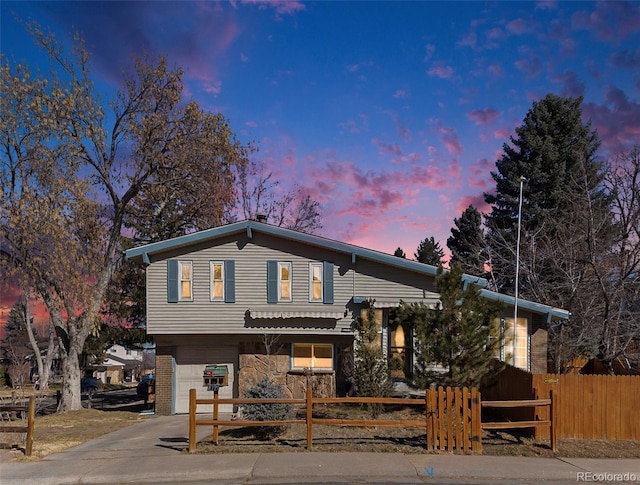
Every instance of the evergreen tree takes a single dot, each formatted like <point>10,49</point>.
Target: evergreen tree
<point>400,253</point>
<point>467,242</point>
<point>555,153</point>
<point>429,252</point>
<point>371,373</point>
<point>454,343</point>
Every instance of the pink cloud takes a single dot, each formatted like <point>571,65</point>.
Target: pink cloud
<point>610,21</point>
<point>626,59</point>
<point>483,117</point>
<point>389,149</point>
<point>282,7</point>
<point>496,70</point>
<point>617,121</point>
<point>449,138</point>
<point>356,125</point>
<point>251,124</point>
<point>479,174</point>
<point>531,66</point>
<point>402,94</point>
<point>476,201</point>
<point>518,26</point>
<point>429,50</point>
<point>440,70</point>
<point>571,85</point>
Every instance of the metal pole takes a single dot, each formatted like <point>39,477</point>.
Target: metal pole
<point>515,306</point>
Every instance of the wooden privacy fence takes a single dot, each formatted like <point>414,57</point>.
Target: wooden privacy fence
<point>7,425</point>
<point>589,407</point>
<point>451,422</point>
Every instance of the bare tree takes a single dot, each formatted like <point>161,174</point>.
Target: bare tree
<point>261,195</point>
<point>73,179</point>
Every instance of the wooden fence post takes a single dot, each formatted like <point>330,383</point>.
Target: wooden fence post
<point>31,418</point>
<point>476,421</point>
<point>192,420</point>
<point>427,412</point>
<point>309,416</point>
<point>553,411</point>
<point>215,415</point>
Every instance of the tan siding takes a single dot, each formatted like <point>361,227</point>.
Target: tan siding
<point>201,316</point>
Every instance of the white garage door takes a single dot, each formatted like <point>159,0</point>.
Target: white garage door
<point>190,363</point>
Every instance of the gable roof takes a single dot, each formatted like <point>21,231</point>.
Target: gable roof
<point>143,253</point>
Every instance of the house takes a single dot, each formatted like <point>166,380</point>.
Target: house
<point>263,300</point>
<point>121,364</point>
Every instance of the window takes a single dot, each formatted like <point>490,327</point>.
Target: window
<point>315,281</point>
<point>217,280</point>
<point>313,356</point>
<point>284,281</point>
<point>179,281</point>
<point>364,314</point>
<point>278,281</point>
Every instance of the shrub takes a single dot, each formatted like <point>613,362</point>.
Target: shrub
<point>266,389</point>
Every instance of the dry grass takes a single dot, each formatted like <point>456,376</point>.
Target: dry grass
<point>57,432</point>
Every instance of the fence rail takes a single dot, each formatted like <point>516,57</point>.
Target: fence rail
<point>451,422</point>
<point>30,411</point>
<point>550,424</point>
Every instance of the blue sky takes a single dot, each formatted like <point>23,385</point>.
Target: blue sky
<point>390,114</point>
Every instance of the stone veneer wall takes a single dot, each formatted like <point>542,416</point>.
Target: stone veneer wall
<point>539,351</point>
<point>255,364</point>
<point>164,370</point>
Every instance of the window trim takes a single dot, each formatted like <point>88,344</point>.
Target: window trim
<point>313,346</point>
<point>182,263</point>
<point>321,271</point>
<point>212,281</point>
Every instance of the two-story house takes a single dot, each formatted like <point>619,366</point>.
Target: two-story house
<point>268,301</point>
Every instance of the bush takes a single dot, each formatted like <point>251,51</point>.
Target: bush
<point>266,389</point>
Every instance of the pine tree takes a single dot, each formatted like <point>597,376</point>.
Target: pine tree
<point>400,253</point>
<point>371,371</point>
<point>467,242</point>
<point>454,343</point>
<point>429,252</point>
<point>555,153</point>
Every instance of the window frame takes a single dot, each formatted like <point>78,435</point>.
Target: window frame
<point>182,263</point>
<point>313,353</point>
<point>289,265</point>
<point>212,281</point>
<point>320,267</point>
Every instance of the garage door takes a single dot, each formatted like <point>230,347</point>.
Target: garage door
<point>190,363</point>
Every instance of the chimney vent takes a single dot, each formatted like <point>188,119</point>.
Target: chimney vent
<point>261,218</point>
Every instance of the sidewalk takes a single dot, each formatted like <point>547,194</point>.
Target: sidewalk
<point>152,452</point>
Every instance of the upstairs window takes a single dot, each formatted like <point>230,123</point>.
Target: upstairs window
<point>222,281</point>
<point>217,281</point>
<point>279,281</point>
<point>186,281</point>
<point>179,281</point>
<point>315,282</point>
<point>284,286</point>
<point>321,282</point>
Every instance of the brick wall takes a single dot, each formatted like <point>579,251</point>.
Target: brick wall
<point>164,378</point>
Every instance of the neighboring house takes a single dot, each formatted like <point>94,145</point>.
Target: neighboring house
<point>268,301</point>
<point>122,364</point>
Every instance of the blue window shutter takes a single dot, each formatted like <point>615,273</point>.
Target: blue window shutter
<point>172,281</point>
<point>272,282</point>
<point>230,281</point>
<point>327,282</point>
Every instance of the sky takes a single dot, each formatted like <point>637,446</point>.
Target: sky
<point>390,114</point>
